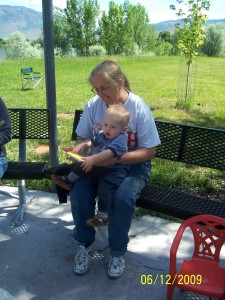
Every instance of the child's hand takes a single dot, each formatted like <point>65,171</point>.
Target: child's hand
<point>81,148</point>
<point>68,149</point>
<point>87,164</point>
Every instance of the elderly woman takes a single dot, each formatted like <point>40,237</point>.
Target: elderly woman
<point>111,86</point>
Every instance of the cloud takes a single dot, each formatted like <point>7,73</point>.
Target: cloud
<point>59,3</point>
<point>158,11</point>
<point>34,4</point>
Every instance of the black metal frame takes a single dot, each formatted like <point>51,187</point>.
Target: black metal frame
<point>194,145</point>
<point>26,124</point>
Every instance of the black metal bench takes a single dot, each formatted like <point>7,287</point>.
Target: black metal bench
<point>27,123</point>
<point>193,145</point>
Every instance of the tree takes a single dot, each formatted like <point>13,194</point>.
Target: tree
<point>124,27</point>
<point>137,18</point>
<point>164,43</point>
<point>2,42</point>
<point>165,36</point>
<point>82,20</point>
<point>191,35</point>
<point>111,26</point>
<point>91,10</point>
<point>214,41</point>
<point>18,47</point>
<point>62,38</point>
<point>150,40</point>
<point>174,41</point>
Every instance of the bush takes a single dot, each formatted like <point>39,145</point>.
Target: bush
<point>163,48</point>
<point>214,41</point>
<point>18,47</point>
<point>97,50</point>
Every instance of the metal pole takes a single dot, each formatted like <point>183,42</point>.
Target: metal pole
<point>48,33</point>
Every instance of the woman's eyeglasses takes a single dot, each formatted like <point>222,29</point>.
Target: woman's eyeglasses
<point>101,91</point>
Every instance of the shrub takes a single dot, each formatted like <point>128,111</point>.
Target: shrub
<point>97,50</point>
<point>18,47</point>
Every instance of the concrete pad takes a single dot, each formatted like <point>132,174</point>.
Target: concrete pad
<point>36,258</point>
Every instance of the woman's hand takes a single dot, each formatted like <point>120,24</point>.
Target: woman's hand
<point>79,149</point>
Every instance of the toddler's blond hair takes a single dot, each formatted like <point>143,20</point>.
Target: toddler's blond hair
<point>120,113</point>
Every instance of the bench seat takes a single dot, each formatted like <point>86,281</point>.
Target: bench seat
<point>25,170</point>
<point>178,204</point>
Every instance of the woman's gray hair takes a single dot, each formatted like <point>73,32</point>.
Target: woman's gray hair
<point>111,71</point>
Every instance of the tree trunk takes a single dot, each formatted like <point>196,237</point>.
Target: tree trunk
<point>187,84</point>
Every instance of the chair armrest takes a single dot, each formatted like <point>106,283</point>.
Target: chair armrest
<point>174,249</point>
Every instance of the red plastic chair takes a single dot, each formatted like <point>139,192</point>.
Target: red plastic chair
<point>202,274</point>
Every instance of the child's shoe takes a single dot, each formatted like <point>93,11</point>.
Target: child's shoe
<point>97,221</point>
<point>62,181</point>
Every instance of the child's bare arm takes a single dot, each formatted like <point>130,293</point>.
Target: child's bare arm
<point>95,159</point>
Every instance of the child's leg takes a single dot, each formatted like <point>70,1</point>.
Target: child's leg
<point>66,181</point>
<point>62,181</point>
<point>108,184</point>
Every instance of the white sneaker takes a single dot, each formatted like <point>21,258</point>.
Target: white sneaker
<point>116,267</point>
<point>82,261</point>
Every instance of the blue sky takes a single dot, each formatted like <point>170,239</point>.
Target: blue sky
<point>158,9</point>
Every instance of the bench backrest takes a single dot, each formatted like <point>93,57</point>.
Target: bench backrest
<point>32,123</point>
<point>195,145</point>
<point>26,70</point>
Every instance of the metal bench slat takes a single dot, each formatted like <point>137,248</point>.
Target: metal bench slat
<point>25,170</point>
<point>177,203</point>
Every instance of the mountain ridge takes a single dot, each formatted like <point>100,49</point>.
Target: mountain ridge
<point>169,24</point>
<point>20,18</point>
<point>29,22</point>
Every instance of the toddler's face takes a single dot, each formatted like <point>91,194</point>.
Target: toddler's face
<point>112,126</point>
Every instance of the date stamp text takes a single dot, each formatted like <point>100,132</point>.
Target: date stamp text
<point>167,279</point>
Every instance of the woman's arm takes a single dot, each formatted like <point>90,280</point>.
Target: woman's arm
<point>137,156</point>
<point>132,157</point>
<point>5,124</point>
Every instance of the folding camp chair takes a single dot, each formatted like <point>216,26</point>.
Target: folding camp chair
<point>29,77</point>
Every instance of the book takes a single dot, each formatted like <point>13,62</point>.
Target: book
<point>74,156</point>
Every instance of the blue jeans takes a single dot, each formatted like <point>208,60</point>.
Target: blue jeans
<point>82,199</point>
<point>3,165</point>
<point>108,180</point>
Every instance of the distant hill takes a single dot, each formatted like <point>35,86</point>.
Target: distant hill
<point>29,21</point>
<point>169,25</point>
<point>19,18</point>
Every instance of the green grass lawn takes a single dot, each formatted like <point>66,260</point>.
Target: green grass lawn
<point>158,80</point>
